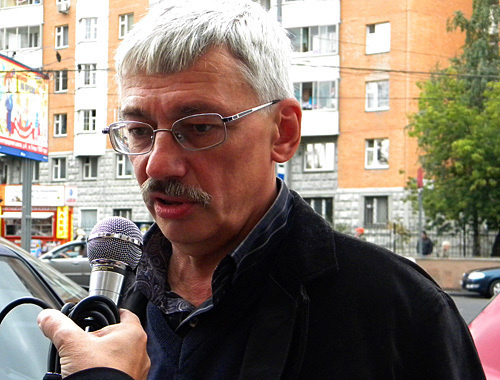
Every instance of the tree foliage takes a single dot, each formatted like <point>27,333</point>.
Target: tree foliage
<point>458,127</point>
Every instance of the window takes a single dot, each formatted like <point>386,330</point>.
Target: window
<point>377,153</point>
<point>88,28</point>
<point>88,219</point>
<point>20,37</point>
<point>319,156</point>
<point>88,120</point>
<point>125,24</point>
<point>89,167</point>
<point>123,166</point>
<point>61,81</point>
<point>62,37</point>
<point>36,171</point>
<point>87,74</point>
<point>323,206</point>
<point>39,227</point>
<point>317,39</point>
<point>58,169</point>
<point>377,95</point>
<point>317,95</point>
<point>378,38</point>
<point>60,124</point>
<point>376,211</point>
<point>18,3</point>
<point>123,212</point>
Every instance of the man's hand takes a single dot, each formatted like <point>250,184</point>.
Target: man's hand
<point>121,346</point>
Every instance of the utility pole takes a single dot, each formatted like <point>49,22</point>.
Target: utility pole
<point>27,170</point>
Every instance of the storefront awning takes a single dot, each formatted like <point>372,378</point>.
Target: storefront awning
<point>34,215</point>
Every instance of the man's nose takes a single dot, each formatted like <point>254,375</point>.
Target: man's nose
<point>167,158</point>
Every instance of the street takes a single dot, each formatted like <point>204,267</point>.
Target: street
<point>469,304</point>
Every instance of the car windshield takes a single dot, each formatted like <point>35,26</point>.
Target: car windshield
<point>23,348</point>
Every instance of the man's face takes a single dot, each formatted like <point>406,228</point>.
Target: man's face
<point>238,175</point>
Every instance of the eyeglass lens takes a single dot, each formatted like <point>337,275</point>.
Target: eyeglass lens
<point>192,132</point>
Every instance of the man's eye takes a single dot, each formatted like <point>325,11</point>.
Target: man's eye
<point>138,132</point>
<point>201,128</point>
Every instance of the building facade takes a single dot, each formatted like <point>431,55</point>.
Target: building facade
<point>355,69</point>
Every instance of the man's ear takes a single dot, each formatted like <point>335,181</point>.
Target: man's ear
<point>288,119</point>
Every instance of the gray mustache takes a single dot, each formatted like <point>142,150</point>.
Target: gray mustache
<point>174,188</point>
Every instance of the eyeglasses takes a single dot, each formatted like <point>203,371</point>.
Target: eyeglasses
<point>195,132</point>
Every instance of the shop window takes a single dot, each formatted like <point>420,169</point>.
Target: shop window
<point>319,156</point>
<point>376,153</point>
<point>323,206</point>
<point>125,24</point>
<point>377,95</point>
<point>317,95</point>
<point>376,211</point>
<point>378,38</point>
<point>39,227</point>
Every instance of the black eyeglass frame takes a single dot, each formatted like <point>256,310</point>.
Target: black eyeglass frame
<point>109,129</point>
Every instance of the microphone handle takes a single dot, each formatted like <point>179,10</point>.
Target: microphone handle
<point>107,279</point>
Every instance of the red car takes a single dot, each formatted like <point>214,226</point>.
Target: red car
<point>485,330</point>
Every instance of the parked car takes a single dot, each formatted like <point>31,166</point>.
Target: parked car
<point>485,330</point>
<point>71,260</point>
<point>23,348</point>
<point>483,281</point>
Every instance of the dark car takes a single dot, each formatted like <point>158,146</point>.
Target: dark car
<point>23,347</point>
<point>71,260</point>
<point>483,281</point>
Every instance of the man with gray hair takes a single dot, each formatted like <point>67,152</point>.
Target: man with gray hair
<point>240,278</point>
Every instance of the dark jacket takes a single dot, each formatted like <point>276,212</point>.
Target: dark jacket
<point>329,306</point>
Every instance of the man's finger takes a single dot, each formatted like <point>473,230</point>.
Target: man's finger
<point>58,327</point>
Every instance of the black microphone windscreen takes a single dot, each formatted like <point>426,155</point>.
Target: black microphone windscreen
<point>115,238</point>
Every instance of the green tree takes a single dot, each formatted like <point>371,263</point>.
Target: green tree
<point>457,127</point>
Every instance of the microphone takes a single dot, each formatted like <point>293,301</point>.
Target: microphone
<point>114,247</point>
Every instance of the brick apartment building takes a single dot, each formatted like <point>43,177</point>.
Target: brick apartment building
<point>355,68</point>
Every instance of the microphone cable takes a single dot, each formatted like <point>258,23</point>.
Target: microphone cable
<point>91,314</point>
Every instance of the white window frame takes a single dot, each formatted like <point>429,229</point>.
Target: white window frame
<point>374,207</point>
<point>123,166</point>
<point>323,206</point>
<point>60,123</point>
<point>317,99</point>
<point>88,120</point>
<point>319,156</point>
<point>89,167</point>
<point>61,81</point>
<point>59,172</point>
<point>62,37</point>
<point>377,95</point>
<point>317,39</point>
<point>378,38</point>
<point>377,153</point>
<point>123,212</point>
<point>88,29</point>
<point>125,24</point>
<point>88,74</point>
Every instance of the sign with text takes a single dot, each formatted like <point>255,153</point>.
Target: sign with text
<point>23,111</point>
